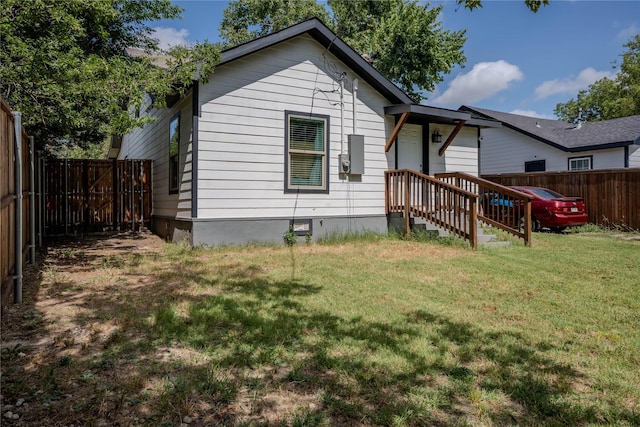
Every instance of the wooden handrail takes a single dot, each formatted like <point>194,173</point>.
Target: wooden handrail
<point>434,200</point>
<point>500,206</point>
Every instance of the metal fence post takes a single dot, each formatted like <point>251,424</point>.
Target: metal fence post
<point>32,202</point>
<point>17,279</point>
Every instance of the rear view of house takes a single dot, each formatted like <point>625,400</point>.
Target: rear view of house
<point>294,129</point>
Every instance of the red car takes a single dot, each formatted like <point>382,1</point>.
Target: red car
<point>553,210</point>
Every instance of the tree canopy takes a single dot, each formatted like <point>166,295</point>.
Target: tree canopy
<point>404,38</point>
<point>533,5</point>
<point>609,98</point>
<point>66,66</point>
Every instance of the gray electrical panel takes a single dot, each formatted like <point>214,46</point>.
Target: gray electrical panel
<point>356,154</point>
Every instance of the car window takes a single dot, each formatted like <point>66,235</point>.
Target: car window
<point>545,193</point>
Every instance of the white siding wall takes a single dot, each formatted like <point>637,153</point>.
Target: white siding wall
<point>634,156</point>
<point>504,150</point>
<point>242,131</point>
<point>152,142</point>
<point>460,156</point>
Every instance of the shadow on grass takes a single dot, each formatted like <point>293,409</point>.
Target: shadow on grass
<point>251,352</point>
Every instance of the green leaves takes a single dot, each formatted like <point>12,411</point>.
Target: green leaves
<point>66,66</point>
<point>609,99</point>
<point>245,20</point>
<point>403,37</point>
<point>533,5</point>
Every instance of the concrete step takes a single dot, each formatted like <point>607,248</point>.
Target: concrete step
<point>494,244</point>
<point>396,222</point>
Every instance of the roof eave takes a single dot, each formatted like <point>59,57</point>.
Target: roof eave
<point>600,146</point>
<point>323,35</point>
<point>439,115</point>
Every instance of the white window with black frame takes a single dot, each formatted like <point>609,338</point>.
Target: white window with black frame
<point>580,163</point>
<point>307,151</point>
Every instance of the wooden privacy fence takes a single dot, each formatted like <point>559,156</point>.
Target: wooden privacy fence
<point>85,196</point>
<point>17,194</point>
<point>612,195</point>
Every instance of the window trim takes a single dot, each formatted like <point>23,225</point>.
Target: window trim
<point>529,163</point>
<point>174,158</point>
<point>288,188</point>
<point>590,158</point>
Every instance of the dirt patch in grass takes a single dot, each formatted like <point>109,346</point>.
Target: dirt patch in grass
<point>49,342</point>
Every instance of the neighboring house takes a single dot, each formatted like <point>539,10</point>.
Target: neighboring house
<point>529,144</point>
<point>267,143</point>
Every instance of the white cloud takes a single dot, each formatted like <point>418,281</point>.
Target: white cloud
<point>484,81</point>
<point>626,33</point>
<point>571,86</point>
<point>168,37</point>
<point>531,113</point>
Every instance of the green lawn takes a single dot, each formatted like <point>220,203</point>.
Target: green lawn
<point>377,331</point>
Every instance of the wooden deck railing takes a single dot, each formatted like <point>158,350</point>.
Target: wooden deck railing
<point>438,202</point>
<point>499,206</point>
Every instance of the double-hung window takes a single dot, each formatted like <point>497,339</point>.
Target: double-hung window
<point>580,163</point>
<point>307,153</point>
<point>174,152</point>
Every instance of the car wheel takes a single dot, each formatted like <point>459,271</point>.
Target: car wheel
<point>535,224</point>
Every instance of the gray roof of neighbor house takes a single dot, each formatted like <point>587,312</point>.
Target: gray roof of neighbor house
<point>567,136</point>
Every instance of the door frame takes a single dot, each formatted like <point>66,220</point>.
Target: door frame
<point>425,144</point>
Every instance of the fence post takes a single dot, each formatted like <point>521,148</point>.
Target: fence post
<point>66,197</point>
<point>473,222</point>
<point>114,179</point>
<point>406,205</point>
<point>141,183</point>
<point>41,197</point>
<point>85,196</point>
<point>32,202</point>
<point>17,279</point>
<point>527,223</point>
<point>132,177</point>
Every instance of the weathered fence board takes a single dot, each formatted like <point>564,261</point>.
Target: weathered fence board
<point>85,196</point>
<point>612,195</point>
<point>8,201</point>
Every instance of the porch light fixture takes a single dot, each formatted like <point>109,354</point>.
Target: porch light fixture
<point>436,138</point>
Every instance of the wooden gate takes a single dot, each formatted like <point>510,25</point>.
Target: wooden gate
<point>85,196</point>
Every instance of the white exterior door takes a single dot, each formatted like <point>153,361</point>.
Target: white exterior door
<point>410,147</point>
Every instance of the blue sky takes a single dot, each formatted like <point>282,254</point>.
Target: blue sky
<point>517,61</point>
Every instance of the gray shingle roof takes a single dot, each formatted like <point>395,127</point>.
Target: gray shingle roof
<point>567,136</point>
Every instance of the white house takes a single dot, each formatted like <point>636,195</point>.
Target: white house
<point>294,128</point>
<point>529,144</point>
